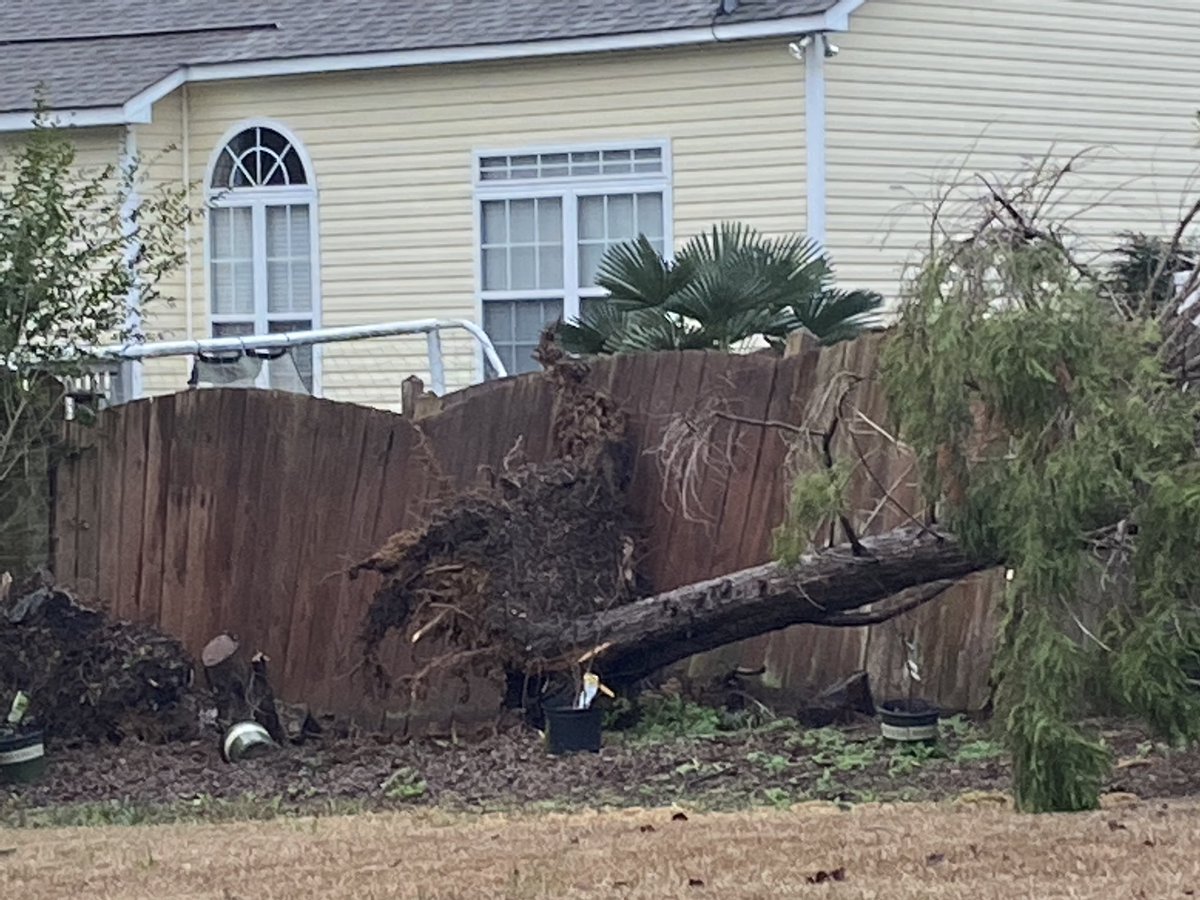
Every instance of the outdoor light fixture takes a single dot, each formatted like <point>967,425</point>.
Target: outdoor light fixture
<point>797,48</point>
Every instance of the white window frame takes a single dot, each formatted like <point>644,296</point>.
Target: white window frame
<point>258,199</point>
<point>568,189</point>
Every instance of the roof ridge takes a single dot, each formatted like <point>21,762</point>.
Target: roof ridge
<point>149,32</point>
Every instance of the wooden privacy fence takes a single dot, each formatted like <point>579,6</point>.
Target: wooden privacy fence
<point>240,510</point>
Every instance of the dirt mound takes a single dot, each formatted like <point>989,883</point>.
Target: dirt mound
<point>91,679</point>
<point>541,542</point>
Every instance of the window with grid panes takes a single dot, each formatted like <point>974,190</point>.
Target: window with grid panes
<point>261,248</point>
<point>546,220</point>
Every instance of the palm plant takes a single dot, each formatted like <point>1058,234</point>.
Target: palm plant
<point>723,288</point>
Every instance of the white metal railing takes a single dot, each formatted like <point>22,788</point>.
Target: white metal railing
<point>431,328</point>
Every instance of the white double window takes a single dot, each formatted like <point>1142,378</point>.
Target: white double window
<point>546,219</point>
<point>262,246</point>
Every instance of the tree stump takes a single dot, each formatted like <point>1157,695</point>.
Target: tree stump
<point>241,686</point>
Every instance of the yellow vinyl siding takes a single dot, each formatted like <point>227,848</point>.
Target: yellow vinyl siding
<point>392,153</point>
<point>160,155</point>
<point>924,87</point>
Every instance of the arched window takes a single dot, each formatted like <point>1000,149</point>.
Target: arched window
<point>262,245</point>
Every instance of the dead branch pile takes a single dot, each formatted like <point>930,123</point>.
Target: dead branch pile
<point>542,542</point>
<point>90,679</point>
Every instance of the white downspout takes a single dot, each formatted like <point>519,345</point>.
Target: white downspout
<point>814,136</point>
<point>185,147</point>
<point>132,373</point>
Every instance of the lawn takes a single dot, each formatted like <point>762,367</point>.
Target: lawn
<point>962,849</point>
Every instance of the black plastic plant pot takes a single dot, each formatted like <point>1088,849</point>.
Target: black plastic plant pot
<point>909,721</point>
<point>570,730</point>
<point>22,755</point>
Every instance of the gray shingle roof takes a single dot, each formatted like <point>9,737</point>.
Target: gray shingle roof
<point>94,53</point>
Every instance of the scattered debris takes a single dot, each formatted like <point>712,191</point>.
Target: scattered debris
<point>1134,762</point>
<point>935,859</point>
<point>822,876</point>
<point>1118,800</point>
<point>840,702</point>
<point>245,741</point>
<point>240,686</point>
<point>536,543</point>
<point>90,679</point>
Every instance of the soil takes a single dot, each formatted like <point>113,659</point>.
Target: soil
<point>776,766</point>
<point>90,678</point>
<point>535,542</point>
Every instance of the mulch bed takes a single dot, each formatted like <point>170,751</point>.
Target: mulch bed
<point>512,769</point>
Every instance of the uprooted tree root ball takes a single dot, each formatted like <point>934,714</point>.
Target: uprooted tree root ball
<point>542,542</point>
<point>90,678</point>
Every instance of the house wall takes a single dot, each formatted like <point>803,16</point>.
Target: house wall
<point>160,148</point>
<point>925,88</point>
<point>392,153</point>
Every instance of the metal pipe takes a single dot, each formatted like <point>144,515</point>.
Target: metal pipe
<point>299,339</point>
<point>185,140</point>
<point>437,369</point>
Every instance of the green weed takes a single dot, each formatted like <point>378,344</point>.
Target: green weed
<point>404,784</point>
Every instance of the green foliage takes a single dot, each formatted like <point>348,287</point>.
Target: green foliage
<point>723,288</point>
<point>1143,266</point>
<point>816,497</point>
<point>778,797</point>
<point>672,718</point>
<point>1047,426</point>
<point>76,249</point>
<point>772,763</point>
<point>977,751</point>
<point>405,784</point>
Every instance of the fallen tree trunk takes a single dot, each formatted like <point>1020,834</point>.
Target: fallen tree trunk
<point>634,640</point>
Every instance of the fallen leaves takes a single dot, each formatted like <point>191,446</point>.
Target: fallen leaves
<point>1134,762</point>
<point>821,876</point>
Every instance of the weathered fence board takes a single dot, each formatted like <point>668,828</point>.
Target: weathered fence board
<point>240,510</point>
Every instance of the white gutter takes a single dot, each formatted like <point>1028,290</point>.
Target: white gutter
<point>814,137</point>
<point>137,109</point>
<point>75,118</point>
<point>131,374</point>
<point>185,148</point>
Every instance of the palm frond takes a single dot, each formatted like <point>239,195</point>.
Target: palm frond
<point>726,285</point>
<point>637,277</point>
<point>836,315</point>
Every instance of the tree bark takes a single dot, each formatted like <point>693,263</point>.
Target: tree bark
<point>632,641</point>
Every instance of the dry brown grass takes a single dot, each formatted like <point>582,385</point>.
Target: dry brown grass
<point>1147,851</point>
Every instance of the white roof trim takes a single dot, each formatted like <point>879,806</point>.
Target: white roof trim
<point>137,109</point>
<point>77,118</point>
